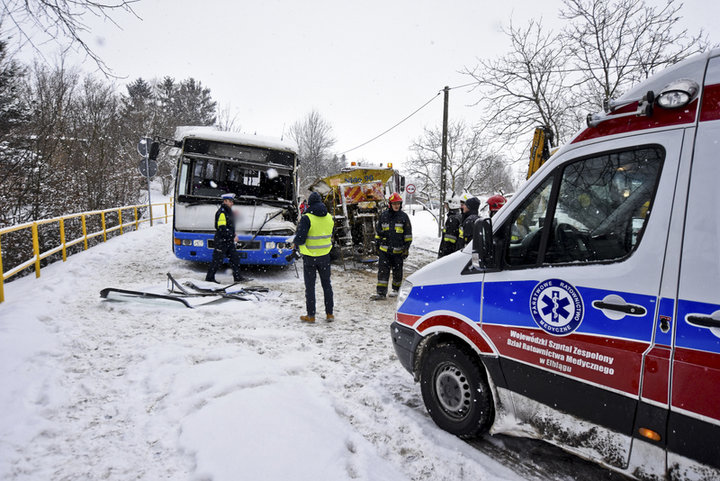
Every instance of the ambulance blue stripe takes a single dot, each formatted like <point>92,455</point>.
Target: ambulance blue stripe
<point>463,298</point>
<point>694,337</point>
<point>508,303</point>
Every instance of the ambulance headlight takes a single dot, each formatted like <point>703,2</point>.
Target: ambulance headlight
<point>270,245</point>
<point>404,292</point>
<point>677,94</point>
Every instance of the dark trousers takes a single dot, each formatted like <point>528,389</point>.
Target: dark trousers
<point>312,266</point>
<point>221,251</point>
<point>386,263</point>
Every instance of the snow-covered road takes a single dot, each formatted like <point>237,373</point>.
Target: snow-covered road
<point>94,389</point>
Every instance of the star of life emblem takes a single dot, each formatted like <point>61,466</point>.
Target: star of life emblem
<point>556,307</point>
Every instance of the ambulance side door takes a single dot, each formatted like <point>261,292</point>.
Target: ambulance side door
<point>572,308</point>
<point>693,433</point>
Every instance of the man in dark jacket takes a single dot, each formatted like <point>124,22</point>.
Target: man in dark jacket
<point>469,216</point>
<point>314,240</point>
<point>224,242</point>
<point>393,236</point>
<point>451,232</point>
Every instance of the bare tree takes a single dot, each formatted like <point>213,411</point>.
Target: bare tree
<point>469,163</point>
<point>227,121</point>
<point>60,21</point>
<point>616,43</point>
<point>14,118</point>
<point>314,138</point>
<point>527,87</point>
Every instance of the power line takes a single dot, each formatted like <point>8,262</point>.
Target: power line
<point>391,128</point>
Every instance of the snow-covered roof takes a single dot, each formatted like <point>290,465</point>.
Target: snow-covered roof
<point>212,133</point>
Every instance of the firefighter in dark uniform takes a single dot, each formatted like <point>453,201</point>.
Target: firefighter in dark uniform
<point>495,202</point>
<point>314,240</point>
<point>393,236</point>
<point>224,242</point>
<point>470,215</point>
<point>451,232</point>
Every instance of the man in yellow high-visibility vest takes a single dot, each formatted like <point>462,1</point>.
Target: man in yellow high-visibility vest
<point>314,240</point>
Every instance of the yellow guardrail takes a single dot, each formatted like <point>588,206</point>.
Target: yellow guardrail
<point>64,243</point>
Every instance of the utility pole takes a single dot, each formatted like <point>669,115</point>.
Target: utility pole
<point>443,162</point>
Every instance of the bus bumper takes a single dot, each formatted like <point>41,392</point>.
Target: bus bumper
<point>262,250</point>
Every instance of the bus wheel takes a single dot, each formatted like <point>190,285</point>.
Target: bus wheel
<point>455,391</point>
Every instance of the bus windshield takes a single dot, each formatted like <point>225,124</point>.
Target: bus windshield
<point>210,169</point>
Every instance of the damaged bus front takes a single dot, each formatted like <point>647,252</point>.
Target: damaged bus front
<point>261,172</point>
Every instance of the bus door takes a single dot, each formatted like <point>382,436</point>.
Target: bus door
<point>572,308</point>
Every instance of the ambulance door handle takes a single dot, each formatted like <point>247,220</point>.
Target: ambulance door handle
<point>631,309</point>
<point>615,307</point>
<point>702,321</point>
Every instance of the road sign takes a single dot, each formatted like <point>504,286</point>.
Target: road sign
<point>142,146</point>
<point>144,167</point>
<point>410,189</point>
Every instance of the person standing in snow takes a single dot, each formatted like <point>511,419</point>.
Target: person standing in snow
<point>393,236</point>
<point>224,241</point>
<point>314,240</point>
<point>451,232</point>
<point>470,215</point>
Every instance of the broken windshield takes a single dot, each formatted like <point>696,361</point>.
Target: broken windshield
<point>211,177</point>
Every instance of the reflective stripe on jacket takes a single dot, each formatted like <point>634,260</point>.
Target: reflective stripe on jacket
<point>319,238</point>
<point>393,232</point>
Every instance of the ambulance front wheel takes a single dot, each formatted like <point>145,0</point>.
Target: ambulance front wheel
<point>455,391</point>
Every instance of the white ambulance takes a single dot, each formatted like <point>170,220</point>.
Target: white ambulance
<point>587,312</point>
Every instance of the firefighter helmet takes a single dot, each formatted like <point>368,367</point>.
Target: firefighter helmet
<point>394,197</point>
<point>495,202</point>
<point>454,202</point>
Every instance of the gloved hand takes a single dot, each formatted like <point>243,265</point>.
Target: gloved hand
<point>405,254</point>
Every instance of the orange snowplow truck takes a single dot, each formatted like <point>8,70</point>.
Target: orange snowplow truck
<point>355,197</point>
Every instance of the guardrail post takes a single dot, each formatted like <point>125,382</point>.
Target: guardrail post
<point>120,221</point>
<point>36,248</point>
<point>2,275</point>
<point>166,212</point>
<point>62,239</point>
<point>84,229</point>
<point>136,219</point>
<point>102,221</point>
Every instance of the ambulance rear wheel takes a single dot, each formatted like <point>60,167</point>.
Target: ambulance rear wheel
<point>455,391</point>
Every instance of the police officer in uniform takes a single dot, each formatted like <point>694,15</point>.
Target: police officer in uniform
<point>451,232</point>
<point>224,242</point>
<point>470,215</point>
<point>393,236</point>
<point>314,240</point>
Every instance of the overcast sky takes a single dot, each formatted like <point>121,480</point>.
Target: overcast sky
<point>364,65</point>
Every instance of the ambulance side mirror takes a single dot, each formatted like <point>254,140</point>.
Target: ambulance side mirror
<point>482,245</point>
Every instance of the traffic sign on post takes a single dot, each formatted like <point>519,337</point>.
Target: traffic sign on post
<point>148,168</point>
<point>143,146</point>
<point>410,189</point>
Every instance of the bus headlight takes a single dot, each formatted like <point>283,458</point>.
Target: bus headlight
<point>403,293</point>
<point>269,245</point>
<point>198,243</point>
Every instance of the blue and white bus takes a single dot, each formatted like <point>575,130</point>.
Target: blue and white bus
<point>261,172</point>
